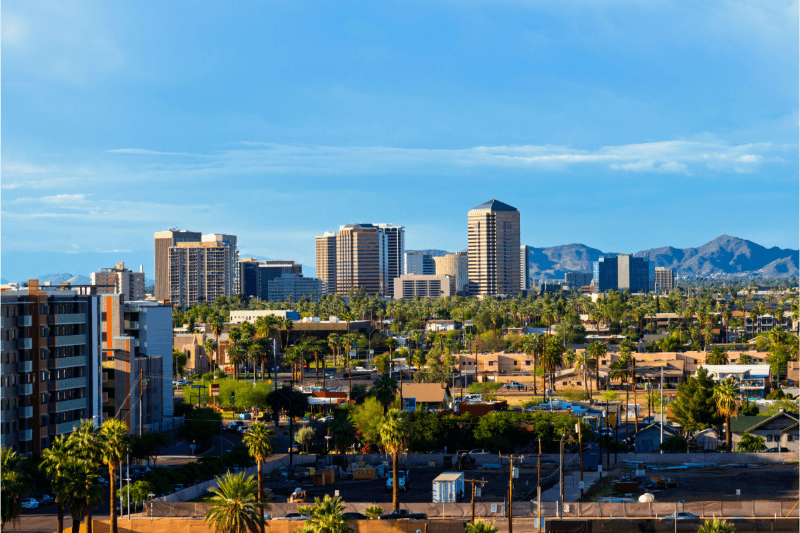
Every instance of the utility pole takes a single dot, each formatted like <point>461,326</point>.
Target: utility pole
<point>616,433</point>
<point>580,451</point>
<point>561,472</point>
<point>141,395</point>
<point>635,411</point>
<point>661,418</point>
<point>510,487</point>
<point>539,486</point>
<point>608,446</point>
<point>472,482</point>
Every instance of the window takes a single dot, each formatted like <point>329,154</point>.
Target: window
<point>789,437</point>
<point>769,438</point>
<point>491,363</point>
<point>527,363</point>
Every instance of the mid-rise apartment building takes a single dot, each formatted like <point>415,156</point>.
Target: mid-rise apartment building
<point>664,280</point>
<point>494,249</point>
<point>456,266</point>
<point>255,275</point>
<point>136,343</point>
<point>418,263</point>
<point>120,280</point>
<point>230,242</point>
<point>50,363</point>
<point>326,261</point>
<point>294,287</point>
<point>411,286</point>
<point>164,240</point>
<point>199,272</point>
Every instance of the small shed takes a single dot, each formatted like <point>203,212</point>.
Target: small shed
<point>708,439</point>
<point>448,487</point>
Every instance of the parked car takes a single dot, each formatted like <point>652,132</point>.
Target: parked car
<point>354,516</point>
<point>46,499</point>
<point>29,503</point>
<point>234,426</point>
<point>681,516</point>
<point>514,385</point>
<point>775,450</point>
<point>403,513</point>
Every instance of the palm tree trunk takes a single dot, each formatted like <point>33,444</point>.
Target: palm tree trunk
<point>323,372</point>
<point>261,492</point>
<point>76,524</point>
<point>113,507</point>
<point>60,515</point>
<point>395,495</point>
<point>316,366</point>
<point>88,516</point>
<point>728,433</point>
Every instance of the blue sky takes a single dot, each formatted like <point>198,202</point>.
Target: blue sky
<point>622,125</point>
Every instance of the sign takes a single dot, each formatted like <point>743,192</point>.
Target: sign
<point>336,492</point>
<point>566,507</point>
<point>352,353</point>
<point>738,492</point>
<point>494,508</point>
<point>600,468</point>
<point>580,484</point>
<point>372,352</point>
<point>215,389</point>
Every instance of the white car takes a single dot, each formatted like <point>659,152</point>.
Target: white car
<point>29,503</point>
<point>513,385</point>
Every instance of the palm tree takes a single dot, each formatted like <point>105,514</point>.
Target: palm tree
<point>373,512</point>
<point>267,327</point>
<point>553,359</point>
<point>234,508</point>
<point>620,369</point>
<point>261,349</point>
<point>479,526</point>
<point>85,442</point>
<point>82,492</point>
<point>114,446</point>
<point>716,525</point>
<point>287,325</point>
<point>210,346</point>
<point>55,462</point>
<point>16,483</point>
<point>385,389</point>
<point>217,324</point>
<point>597,350</point>
<point>259,444</point>
<point>725,395</point>
<point>326,516</point>
<point>394,431</point>
<point>717,356</point>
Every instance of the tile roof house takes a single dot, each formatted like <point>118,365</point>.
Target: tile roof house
<point>780,429</point>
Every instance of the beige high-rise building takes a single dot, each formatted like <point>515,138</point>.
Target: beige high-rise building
<point>359,259</point>
<point>199,272</point>
<point>120,280</point>
<point>455,265</point>
<point>326,261</point>
<point>494,250</point>
<point>164,240</point>
<point>664,280</point>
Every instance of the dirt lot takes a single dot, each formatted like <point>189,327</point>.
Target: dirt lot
<point>420,486</point>
<point>719,483</point>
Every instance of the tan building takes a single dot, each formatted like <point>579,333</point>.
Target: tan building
<point>496,363</point>
<point>664,279</point>
<point>197,361</point>
<point>358,259</point>
<point>410,286</point>
<point>455,265</point>
<point>120,280</point>
<point>164,240</point>
<point>199,272</point>
<point>326,261</point>
<point>494,256</point>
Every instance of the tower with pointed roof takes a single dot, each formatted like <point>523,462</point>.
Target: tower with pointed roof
<point>494,257</point>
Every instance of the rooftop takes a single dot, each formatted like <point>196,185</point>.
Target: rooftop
<point>495,205</point>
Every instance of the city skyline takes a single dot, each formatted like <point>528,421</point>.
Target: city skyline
<point>326,116</point>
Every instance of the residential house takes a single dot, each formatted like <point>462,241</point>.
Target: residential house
<point>427,395</point>
<point>752,380</point>
<point>495,363</point>
<point>442,325</point>
<point>648,440</point>
<point>780,429</point>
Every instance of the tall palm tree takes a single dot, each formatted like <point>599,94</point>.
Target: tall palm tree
<point>210,346</point>
<point>114,439</point>
<point>288,326</point>
<point>234,508</point>
<point>597,350</point>
<point>16,483</point>
<point>261,349</point>
<point>620,369</point>
<point>717,356</point>
<point>726,393</point>
<point>553,359</point>
<point>385,389</point>
<point>83,492</point>
<point>55,463</point>
<point>85,442</point>
<point>326,516</point>
<point>394,431</point>
<point>267,327</point>
<point>259,444</point>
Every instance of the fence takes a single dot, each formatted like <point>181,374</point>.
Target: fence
<point>750,509</point>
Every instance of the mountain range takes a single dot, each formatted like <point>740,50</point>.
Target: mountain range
<point>725,256</point>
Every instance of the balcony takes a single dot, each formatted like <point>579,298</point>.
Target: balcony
<point>26,412</point>
<point>131,325</point>
<point>68,318</point>
<point>66,427</point>
<point>69,405</point>
<point>67,362</point>
<point>25,344</point>
<point>26,435</point>
<point>25,389</point>
<point>24,321</point>
<point>67,340</point>
<point>65,384</point>
<point>25,366</point>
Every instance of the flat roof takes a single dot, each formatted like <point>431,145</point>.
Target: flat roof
<point>449,476</point>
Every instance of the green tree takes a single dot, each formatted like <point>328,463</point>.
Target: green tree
<point>717,356</point>
<point>674,444</point>
<point>552,359</point>
<point>596,351</point>
<point>85,442</point>
<point>385,389</point>
<point>695,408</point>
<point>83,492</point>
<point>114,446</point>
<point>480,526</point>
<point>16,483</point>
<point>751,444</point>
<point>726,393</point>
<point>234,507</point>
<point>716,525</point>
<point>394,432</point>
<point>325,516</point>
<point>54,465</point>
<point>258,440</point>
<point>342,429</point>
<point>749,409</point>
<point>305,436</point>
<point>201,424</point>
<point>373,512</point>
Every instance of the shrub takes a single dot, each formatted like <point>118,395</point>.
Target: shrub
<point>675,444</point>
<point>751,443</point>
<point>373,511</point>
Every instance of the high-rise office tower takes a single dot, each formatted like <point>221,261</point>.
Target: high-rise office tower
<point>199,272</point>
<point>525,281</point>
<point>620,273</point>
<point>359,259</point>
<point>164,240</point>
<point>494,249</point>
<point>326,261</point>
<point>457,266</point>
<point>664,280</point>
<point>51,363</point>
<point>255,276</point>
<point>120,280</point>
<point>421,264</point>
<point>229,241</point>
<point>393,251</point>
